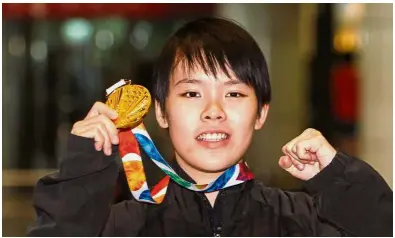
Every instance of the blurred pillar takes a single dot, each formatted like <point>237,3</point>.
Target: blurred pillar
<point>285,34</point>
<point>376,89</point>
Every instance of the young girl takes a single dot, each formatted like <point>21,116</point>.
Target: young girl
<point>211,92</point>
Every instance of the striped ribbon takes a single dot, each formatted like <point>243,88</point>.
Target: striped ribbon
<point>134,169</point>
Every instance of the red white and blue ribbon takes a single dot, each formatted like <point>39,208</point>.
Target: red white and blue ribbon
<point>136,177</point>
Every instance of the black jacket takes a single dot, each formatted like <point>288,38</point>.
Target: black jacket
<point>346,198</point>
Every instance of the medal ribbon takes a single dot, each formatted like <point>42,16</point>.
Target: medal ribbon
<point>129,141</point>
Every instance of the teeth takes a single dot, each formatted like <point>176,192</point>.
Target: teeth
<point>212,137</point>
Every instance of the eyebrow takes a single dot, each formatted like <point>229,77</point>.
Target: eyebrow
<point>233,82</point>
<point>188,81</point>
<point>196,81</point>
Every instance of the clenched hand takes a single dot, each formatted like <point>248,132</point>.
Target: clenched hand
<point>98,125</point>
<point>306,155</point>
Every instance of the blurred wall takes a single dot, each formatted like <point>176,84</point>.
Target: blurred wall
<point>376,67</point>
<point>285,34</point>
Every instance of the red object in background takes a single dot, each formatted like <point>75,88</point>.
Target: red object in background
<point>92,10</point>
<point>345,95</point>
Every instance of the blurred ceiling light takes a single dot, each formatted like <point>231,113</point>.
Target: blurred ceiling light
<point>350,14</point>
<point>118,26</point>
<point>77,31</point>
<point>16,45</point>
<point>354,11</point>
<point>141,35</point>
<point>346,41</point>
<point>104,39</point>
<point>38,50</point>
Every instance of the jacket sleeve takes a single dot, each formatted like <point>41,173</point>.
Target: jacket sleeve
<point>348,197</point>
<point>76,200</point>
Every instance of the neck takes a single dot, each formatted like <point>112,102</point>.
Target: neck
<point>200,177</point>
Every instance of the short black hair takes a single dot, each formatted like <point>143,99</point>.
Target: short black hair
<point>213,44</point>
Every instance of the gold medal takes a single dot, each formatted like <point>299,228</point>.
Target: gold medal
<point>130,101</point>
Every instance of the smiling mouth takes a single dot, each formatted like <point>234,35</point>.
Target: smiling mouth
<point>212,137</point>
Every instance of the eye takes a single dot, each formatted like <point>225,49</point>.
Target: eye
<point>235,95</point>
<point>191,95</point>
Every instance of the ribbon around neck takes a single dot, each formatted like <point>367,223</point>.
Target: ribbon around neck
<point>129,141</point>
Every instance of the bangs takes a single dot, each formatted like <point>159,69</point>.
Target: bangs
<point>215,54</point>
<point>194,57</point>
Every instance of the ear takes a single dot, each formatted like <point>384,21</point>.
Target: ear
<point>262,118</point>
<point>160,117</point>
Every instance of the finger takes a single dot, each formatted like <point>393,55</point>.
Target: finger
<point>303,156</point>
<point>96,134</point>
<point>285,162</point>
<point>110,126</point>
<point>299,165</point>
<point>311,144</point>
<point>320,149</point>
<point>100,108</point>
<point>288,148</point>
<point>301,151</point>
<point>306,151</point>
<point>76,128</point>
<point>107,147</point>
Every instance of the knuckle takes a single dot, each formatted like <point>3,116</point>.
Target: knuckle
<point>76,124</point>
<point>100,126</point>
<point>288,147</point>
<point>103,117</point>
<point>97,131</point>
<point>303,143</point>
<point>75,127</point>
<point>323,143</point>
<point>309,130</point>
<point>299,146</point>
<point>295,147</point>
<point>320,137</point>
<point>97,104</point>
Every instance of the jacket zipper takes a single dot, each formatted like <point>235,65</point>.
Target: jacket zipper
<point>207,203</point>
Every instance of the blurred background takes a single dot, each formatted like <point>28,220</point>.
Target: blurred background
<point>330,67</point>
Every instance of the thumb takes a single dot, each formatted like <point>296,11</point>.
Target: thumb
<point>285,162</point>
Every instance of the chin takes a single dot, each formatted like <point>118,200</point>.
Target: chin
<point>215,166</point>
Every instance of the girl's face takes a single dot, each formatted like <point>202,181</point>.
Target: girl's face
<point>210,120</point>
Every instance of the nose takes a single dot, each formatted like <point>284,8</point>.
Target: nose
<point>213,112</point>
